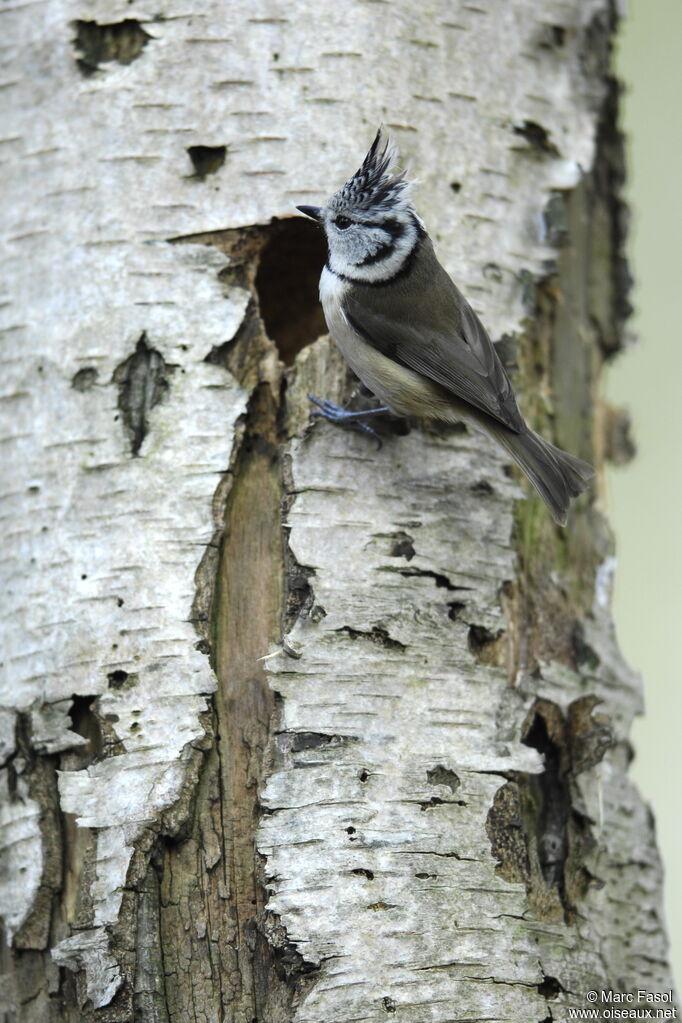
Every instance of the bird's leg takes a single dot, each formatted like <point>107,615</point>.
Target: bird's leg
<point>341,416</point>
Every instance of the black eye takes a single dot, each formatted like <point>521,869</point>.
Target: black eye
<point>342,223</point>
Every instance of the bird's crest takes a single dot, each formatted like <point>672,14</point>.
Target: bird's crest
<point>373,186</point>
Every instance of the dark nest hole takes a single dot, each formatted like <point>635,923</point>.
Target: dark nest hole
<point>288,281</point>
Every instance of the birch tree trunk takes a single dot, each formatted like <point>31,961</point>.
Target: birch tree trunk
<point>295,729</point>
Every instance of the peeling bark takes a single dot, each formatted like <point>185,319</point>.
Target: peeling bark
<point>292,729</point>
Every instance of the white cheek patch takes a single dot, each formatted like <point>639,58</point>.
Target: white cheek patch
<point>374,240</point>
<point>347,261</point>
<point>391,264</point>
<point>349,248</point>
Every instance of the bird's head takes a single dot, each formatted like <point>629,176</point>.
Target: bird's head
<point>370,224</point>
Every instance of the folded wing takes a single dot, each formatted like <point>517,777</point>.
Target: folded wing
<point>428,326</point>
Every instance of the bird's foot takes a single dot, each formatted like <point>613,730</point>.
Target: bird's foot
<point>343,417</point>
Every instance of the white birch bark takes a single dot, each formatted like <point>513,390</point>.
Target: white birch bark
<point>407,678</point>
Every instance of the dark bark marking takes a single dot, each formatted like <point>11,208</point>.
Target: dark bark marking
<point>118,679</point>
<point>537,137</point>
<point>443,776</point>
<point>143,382</point>
<point>440,580</point>
<point>85,723</point>
<point>206,159</point>
<point>402,546</point>
<point>552,37</point>
<point>84,379</point>
<point>377,634</point>
<point>298,742</point>
<point>550,988</point>
<point>98,43</point>
<point>429,804</point>
<point>486,646</point>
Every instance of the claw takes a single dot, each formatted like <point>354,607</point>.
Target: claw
<point>371,431</point>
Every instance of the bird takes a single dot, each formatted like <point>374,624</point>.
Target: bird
<point>410,335</point>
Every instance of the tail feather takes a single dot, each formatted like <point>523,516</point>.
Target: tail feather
<point>556,475</point>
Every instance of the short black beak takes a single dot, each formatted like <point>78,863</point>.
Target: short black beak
<point>314,212</point>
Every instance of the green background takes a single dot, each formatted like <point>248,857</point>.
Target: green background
<point>645,497</point>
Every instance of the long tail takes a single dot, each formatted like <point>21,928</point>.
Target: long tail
<point>556,475</point>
